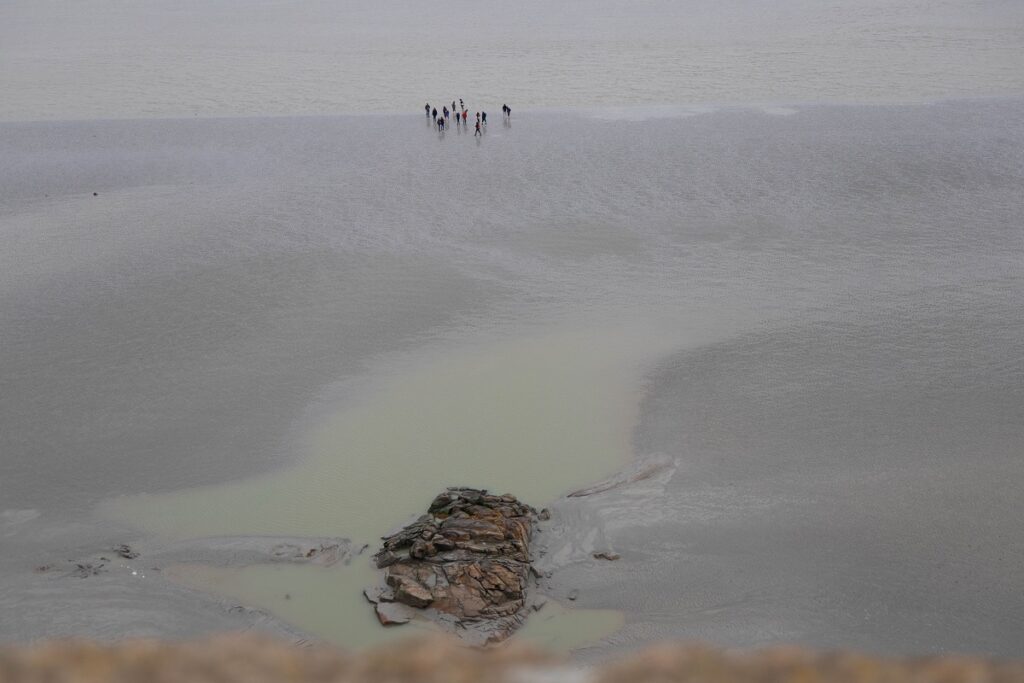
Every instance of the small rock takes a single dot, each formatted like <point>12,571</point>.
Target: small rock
<point>391,614</point>
<point>443,543</point>
<point>125,551</point>
<point>378,594</point>
<point>412,594</point>
<point>606,556</point>
<point>386,559</point>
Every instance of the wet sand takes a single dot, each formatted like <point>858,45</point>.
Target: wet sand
<point>822,360</point>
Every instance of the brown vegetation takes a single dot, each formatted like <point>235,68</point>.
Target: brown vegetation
<point>252,660</point>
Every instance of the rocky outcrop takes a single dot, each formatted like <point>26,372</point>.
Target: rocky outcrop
<point>466,562</point>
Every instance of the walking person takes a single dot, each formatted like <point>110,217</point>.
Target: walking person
<point>465,116</point>
<point>478,130</point>
<point>485,118</point>
<point>445,114</point>
<point>433,112</point>
<point>426,108</point>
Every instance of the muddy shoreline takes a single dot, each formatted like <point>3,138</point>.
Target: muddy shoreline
<point>135,582</point>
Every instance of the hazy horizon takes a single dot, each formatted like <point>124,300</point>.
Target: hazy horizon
<point>98,59</point>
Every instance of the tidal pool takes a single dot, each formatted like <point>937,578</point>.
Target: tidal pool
<point>535,417</point>
<point>328,602</point>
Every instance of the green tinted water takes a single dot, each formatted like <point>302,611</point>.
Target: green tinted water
<point>536,418</point>
<point>328,602</point>
<point>324,601</point>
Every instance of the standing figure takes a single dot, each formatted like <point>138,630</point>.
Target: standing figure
<point>478,130</point>
<point>440,124</point>
<point>465,116</point>
<point>433,112</point>
<point>446,114</point>
<point>426,108</point>
<point>485,118</point>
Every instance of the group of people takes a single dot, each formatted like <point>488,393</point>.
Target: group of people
<point>461,116</point>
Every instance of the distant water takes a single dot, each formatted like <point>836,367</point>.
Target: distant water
<point>93,59</point>
<point>817,302</point>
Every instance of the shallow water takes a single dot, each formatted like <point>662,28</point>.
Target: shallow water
<point>527,416</point>
<point>328,602</point>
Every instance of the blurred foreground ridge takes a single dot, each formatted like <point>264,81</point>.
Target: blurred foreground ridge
<point>244,658</point>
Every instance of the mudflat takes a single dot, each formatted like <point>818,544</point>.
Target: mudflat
<point>790,387</point>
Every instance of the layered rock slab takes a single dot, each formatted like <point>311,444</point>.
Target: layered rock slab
<point>465,563</point>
